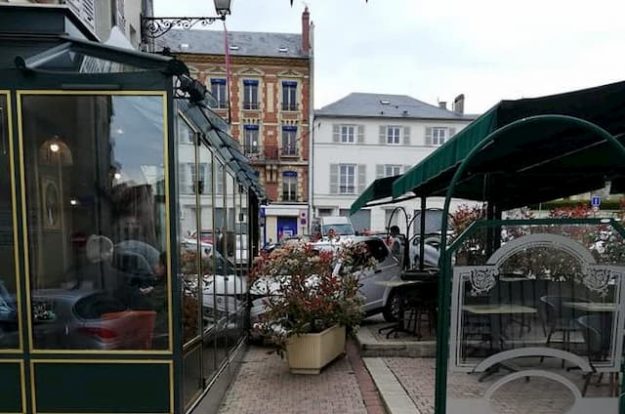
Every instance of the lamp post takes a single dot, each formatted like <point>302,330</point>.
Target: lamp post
<point>155,27</point>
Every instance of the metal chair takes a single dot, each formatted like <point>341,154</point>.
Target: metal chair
<point>595,330</point>
<point>560,318</point>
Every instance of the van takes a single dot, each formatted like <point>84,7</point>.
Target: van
<point>342,225</point>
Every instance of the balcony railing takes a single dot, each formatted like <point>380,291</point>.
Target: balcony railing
<point>250,105</point>
<point>289,196</point>
<point>289,151</point>
<point>289,106</point>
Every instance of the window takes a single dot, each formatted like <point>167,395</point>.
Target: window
<point>347,134</point>
<point>289,186</point>
<point>121,212</point>
<point>218,90</point>
<point>250,94</point>
<point>289,141</point>
<point>9,335</point>
<point>439,135</point>
<point>347,179</point>
<point>198,181</point>
<point>392,135</point>
<point>250,139</point>
<point>289,96</point>
<point>185,134</point>
<point>391,170</point>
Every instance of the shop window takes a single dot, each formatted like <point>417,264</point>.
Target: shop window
<point>9,334</point>
<point>96,223</point>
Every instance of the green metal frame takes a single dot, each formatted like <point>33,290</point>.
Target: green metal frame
<point>444,287</point>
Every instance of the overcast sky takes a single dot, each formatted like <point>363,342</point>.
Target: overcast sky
<point>435,49</point>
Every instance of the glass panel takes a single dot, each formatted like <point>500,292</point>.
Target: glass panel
<point>192,383</point>
<point>188,185</point>
<point>232,288</point>
<point>9,333</point>
<point>96,224</point>
<point>222,266</point>
<point>544,297</point>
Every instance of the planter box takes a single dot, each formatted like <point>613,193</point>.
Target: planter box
<point>308,353</point>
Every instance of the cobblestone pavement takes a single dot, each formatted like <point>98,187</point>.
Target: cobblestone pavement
<point>264,385</point>
<point>417,376</point>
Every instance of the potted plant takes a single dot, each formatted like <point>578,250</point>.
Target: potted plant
<point>308,305</point>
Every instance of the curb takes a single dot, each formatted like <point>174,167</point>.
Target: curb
<point>395,398</point>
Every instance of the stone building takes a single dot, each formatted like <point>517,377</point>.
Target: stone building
<point>267,97</point>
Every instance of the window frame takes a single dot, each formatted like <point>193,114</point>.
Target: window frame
<point>289,96</point>
<point>347,134</point>
<point>250,94</point>
<point>289,140</point>
<point>344,178</point>
<point>391,137</point>
<point>219,85</point>
<point>437,140</point>
<point>251,132</point>
<point>289,186</point>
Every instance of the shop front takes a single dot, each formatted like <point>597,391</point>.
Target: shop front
<point>127,217</point>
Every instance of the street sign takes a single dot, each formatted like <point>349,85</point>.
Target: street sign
<point>595,201</point>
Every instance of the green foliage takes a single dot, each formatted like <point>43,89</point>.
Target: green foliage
<point>304,294</point>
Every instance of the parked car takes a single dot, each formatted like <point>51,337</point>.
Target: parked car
<point>8,319</point>
<point>88,319</point>
<point>377,298</point>
<point>431,250</point>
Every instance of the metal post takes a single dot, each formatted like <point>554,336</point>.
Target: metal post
<point>422,234</point>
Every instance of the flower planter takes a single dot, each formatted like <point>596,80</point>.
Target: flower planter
<point>308,353</point>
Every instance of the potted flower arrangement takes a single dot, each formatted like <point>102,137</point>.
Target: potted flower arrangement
<point>308,305</point>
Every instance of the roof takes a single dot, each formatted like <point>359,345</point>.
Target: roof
<point>373,105</point>
<point>211,42</point>
<point>531,150</point>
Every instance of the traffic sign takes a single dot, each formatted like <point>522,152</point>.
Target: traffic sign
<point>595,201</point>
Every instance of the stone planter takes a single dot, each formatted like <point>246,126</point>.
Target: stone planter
<point>308,353</point>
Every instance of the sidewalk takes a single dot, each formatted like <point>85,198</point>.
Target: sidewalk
<point>265,385</point>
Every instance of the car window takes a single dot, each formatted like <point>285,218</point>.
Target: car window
<point>377,249</point>
<point>94,306</point>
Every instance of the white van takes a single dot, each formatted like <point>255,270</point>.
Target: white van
<point>342,225</point>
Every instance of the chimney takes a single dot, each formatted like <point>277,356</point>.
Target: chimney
<point>459,104</point>
<point>442,105</point>
<point>306,31</point>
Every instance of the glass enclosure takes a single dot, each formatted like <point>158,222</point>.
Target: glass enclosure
<point>535,312</point>
<point>94,180</point>
<point>9,306</point>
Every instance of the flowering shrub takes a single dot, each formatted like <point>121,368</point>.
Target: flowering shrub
<point>304,295</point>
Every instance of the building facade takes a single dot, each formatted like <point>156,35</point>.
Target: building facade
<point>266,94</point>
<point>108,20</point>
<point>363,137</point>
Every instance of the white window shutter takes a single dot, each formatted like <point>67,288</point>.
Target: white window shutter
<point>335,133</point>
<point>334,178</point>
<point>407,135</point>
<point>379,171</point>
<point>362,177</point>
<point>382,134</point>
<point>361,134</point>
<point>428,136</point>
<point>452,132</point>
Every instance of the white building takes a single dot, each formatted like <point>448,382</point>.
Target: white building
<point>365,136</point>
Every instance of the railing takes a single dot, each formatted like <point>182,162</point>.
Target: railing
<point>289,151</point>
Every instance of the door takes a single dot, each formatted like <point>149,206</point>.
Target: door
<point>287,227</point>
<point>386,268</point>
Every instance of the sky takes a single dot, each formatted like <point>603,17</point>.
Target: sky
<point>434,50</point>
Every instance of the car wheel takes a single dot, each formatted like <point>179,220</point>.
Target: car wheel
<point>391,309</point>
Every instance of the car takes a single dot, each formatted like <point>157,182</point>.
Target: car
<point>431,250</point>
<point>8,319</point>
<point>88,319</point>
<point>377,298</point>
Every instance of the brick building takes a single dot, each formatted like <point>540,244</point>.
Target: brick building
<point>268,102</point>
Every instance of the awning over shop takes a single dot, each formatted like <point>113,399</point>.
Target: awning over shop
<point>379,192</point>
<point>508,170</point>
<point>214,130</point>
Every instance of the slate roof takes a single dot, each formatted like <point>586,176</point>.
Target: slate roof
<point>211,42</point>
<point>373,105</point>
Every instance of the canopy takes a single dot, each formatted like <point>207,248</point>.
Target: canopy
<point>214,131</point>
<point>380,189</point>
<point>508,170</point>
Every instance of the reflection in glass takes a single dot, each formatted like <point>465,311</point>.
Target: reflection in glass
<point>9,337</point>
<point>190,251</point>
<point>95,197</point>
<point>192,378</point>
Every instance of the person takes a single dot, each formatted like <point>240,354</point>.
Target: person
<point>395,241</point>
<point>332,234</point>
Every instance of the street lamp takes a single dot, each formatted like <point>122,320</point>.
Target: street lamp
<point>155,27</point>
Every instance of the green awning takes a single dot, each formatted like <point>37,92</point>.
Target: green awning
<point>517,162</point>
<point>376,193</point>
